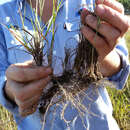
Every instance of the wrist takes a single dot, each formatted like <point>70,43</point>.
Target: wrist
<point>111,64</point>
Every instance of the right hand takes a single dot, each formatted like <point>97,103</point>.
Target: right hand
<point>25,84</point>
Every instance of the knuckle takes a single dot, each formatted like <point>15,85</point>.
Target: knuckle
<point>91,20</point>
<point>114,35</point>
<point>98,8</point>
<point>105,12</point>
<point>15,72</point>
<point>9,69</point>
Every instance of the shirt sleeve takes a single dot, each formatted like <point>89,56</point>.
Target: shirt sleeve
<point>3,66</point>
<point>120,78</point>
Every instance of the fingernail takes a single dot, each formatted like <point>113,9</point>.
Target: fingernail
<point>100,9</point>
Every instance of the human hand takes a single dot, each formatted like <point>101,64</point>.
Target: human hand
<point>113,25</point>
<point>25,84</point>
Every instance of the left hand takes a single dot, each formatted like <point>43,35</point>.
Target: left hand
<point>113,25</point>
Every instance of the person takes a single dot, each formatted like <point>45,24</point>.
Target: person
<point>22,83</point>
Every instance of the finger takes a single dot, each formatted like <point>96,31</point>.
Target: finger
<point>33,88</point>
<point>83,15</point>
<point>13,88</point>
<point>110,33</point>
<point>113,17</point>
<point>113,4</point>
<point>24,73</point>
<point>28,103</point>
<point>98,42</point>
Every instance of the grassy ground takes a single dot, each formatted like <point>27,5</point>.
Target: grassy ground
<point>6,120</point>
<point>120,101</point>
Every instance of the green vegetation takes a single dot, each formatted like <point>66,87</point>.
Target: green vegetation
<point>126,4</point>
<point>127,37</point>
<point>6,120</point>
<point>121,105</point>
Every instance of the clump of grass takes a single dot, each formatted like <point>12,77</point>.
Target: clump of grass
<point>121,106</point>
<point>6,120</point>
<point>127,38</point>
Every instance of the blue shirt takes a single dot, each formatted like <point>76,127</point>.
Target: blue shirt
<point>98,112</point>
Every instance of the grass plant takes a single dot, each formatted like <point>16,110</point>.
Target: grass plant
<point>84,71</point>
<point>119,99</point>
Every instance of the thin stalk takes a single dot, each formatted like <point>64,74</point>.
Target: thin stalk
<point>54,14</point>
